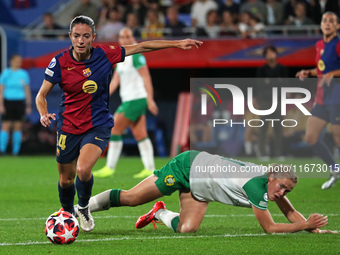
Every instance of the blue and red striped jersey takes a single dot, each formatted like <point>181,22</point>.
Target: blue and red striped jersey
<point>327,60</point>
<point>85,85</point>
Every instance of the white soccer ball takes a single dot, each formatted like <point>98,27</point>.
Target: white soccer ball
<point>61,228</point>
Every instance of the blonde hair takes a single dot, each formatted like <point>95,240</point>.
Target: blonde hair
<point>282,171</point>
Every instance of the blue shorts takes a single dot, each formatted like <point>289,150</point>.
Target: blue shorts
<point>329,113</point>
<point>69,145</point>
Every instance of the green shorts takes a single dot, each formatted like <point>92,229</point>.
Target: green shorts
<point>133,109</point>
<point>175,175</point>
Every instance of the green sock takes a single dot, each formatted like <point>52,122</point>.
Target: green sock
<point>174,223</point>
<point>115,197</point>
<point>115,138</point>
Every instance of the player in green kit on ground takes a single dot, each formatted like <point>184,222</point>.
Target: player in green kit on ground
<point>202,178</point>
<point>136,93</point>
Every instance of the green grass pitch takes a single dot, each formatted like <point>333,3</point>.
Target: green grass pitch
<point>28,195</point>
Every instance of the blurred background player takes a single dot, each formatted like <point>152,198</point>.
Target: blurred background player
<point>15,103</point>
<point>136,93</point>
<point>326,107</point>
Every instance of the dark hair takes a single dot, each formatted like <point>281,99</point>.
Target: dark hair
<point>332,13</point>
<point>83,20</point>
<point>113,9</point>
<point>48,14</point>
<point>14,56</point>
<point>269,47</point>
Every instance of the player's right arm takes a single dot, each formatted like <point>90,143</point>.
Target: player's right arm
<point>41,103</point>
<point>265,219</point>
<point>306,73</point>
<point>114,82</point>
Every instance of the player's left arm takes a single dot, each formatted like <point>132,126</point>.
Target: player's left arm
<point>289,211</point>
<point>145,74</point>
<point>293,215</point>
<point>147,46</point>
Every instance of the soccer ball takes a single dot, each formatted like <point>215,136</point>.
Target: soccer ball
<point>61,228</point>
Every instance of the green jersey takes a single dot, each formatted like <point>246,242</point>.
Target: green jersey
<point>229,181</point>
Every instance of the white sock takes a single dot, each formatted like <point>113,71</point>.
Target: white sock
<point>166,216</point>
<point>100,202</point>
<point>113,153</point>
<point>146,153</point>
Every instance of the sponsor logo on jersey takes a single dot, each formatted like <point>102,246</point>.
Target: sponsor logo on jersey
<point>87,72</point>
<point>96,138</point>
<point>265,197</point>
<point>70,68</point>
<point>90,87</point>
<point>321,65</point>
<point>49,72</point>
<point>52,63</point>
<point>112,47</point>
<point>169,180</point>
<point>264,204</point>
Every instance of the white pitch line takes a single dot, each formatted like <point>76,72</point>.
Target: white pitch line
<point>130,217</point>
<point>134,238</point>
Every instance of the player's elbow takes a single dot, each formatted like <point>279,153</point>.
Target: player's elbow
<point>40,97</point>
<point>269,229</point>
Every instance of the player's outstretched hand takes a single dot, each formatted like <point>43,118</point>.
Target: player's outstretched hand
<point>302,74</point>
<point>45,120</point>
<point>324,231</point>
<point>316,220</point>
<point>188,43</point>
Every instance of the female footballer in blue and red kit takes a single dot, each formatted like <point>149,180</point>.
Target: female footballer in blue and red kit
<point>85,123</point>
<point>327,102</point>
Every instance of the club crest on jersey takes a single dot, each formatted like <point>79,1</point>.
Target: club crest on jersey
<point>265,197</point>
<point>169,180</point>
<point>87,72</point>
<point>58,152</point>
<point>90,87</point>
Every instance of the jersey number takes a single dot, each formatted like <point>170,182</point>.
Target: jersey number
<point>62,142</point>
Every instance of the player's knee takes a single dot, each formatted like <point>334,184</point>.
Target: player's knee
<point>66,181</point>
<point>84,173</point>
<point>186,228</point>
